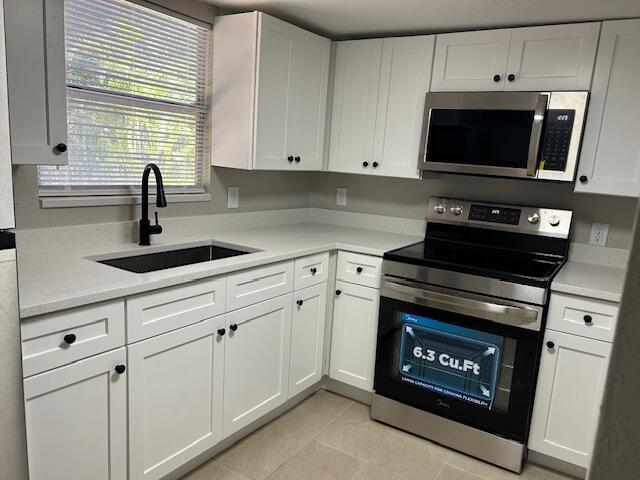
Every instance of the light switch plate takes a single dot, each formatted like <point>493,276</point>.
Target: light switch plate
<point>341,196</point>
<point>599,233</point>
<point>233,197</point>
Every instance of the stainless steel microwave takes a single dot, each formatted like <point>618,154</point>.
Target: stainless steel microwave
<point>534,135</point>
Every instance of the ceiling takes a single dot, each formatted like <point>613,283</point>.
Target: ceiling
<point>362,18</point>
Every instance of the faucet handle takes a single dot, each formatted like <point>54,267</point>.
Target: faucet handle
<point>156,215</point>
<point>155,229</point>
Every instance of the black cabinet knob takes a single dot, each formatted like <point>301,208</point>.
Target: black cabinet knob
<point>550,344</point>
<point>233,327</point>
<point>120,369</point>
<point>297,159</point>
<point>587,319</point>
<point>290,159</point>
<point>359,269</point>
<point>365,164</point>
<point>300,302</point>
<point>313,270</point>
<point>583,179</point>
<point>60,148</point>
<point>221,332</point>
<point>69,338</point>
<point>375,164</point>
<point>496,78</point>
<point>511,77</point>
<point>338,292</point>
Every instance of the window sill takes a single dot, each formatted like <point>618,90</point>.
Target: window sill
<point>105,200</point>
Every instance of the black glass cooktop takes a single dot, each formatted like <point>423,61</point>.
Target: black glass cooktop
<point>508,257</point>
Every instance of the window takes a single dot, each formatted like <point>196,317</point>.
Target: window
<point>137,84</point>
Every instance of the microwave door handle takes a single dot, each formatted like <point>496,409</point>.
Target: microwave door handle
<point>536,133</point>
<point>506,314</point>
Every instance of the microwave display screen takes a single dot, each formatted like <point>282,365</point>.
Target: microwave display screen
<point>497,138</point>
<point>450,360</point>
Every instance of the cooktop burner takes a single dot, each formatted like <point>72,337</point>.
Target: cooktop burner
<point>515,244</point>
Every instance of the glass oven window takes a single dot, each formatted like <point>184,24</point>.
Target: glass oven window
<point>496,138</point>
<point>454,361</point>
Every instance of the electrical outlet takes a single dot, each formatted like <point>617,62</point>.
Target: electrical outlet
<point>599,233</point>
<point>341,197</point>
<point>233,197</point>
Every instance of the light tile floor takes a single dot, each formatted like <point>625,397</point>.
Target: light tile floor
<point>329,437</point>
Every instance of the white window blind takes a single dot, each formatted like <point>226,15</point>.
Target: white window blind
<point>136,93</point>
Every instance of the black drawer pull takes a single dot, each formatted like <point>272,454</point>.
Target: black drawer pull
<point>496,78</point>
<point>550,344</point>
<point>60,148</point>
<point>313,270</point>
<point>587,319</point>
<point>120,369</point>
<point>221,332</point>
<point>69,338</point>
<point>290,159</point>
<point>359,269</point>
<point>300,302</point>
<point>233,327</point>
<point>338,292</point>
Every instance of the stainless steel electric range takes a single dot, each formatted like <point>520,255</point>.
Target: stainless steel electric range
<point>460,326</point>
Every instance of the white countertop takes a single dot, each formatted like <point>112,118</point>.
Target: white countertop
<point>600,282</point>
<point>64,279</point>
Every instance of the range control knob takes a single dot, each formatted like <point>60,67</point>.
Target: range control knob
<point>534,218</point>
<point>457,210</point>
<point>554,220</point>
<point>440,208</point>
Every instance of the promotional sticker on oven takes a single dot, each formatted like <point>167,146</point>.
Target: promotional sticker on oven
<point>455,361</point>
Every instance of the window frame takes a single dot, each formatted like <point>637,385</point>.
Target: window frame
<point>75,196</point>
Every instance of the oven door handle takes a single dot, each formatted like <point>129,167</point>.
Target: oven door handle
<point>536,133</point>
<point>517,316</point>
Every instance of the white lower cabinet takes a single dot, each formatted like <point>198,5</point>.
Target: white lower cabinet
<point>76,420</point>
<point>256,367</point>
<point>307,337</point>
<point>175,397</point>
<point>571,380</point>
<point>355,326</point>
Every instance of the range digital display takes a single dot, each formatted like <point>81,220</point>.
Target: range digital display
<point>486,213</point>
<point>455,361</point>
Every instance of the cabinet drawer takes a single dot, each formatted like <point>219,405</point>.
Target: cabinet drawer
<point>311,270</point>
<point>582,316</point>
<point>153,313</point>
<point>54,340</point>
<point>258,284</point>
<point>359,269</point>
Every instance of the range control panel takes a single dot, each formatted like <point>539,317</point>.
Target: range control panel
<point>531,220</point>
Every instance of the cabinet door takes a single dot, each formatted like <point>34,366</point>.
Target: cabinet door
<point>404,82</point>
<point>610,159</point>
<point>308,100</point>
<point>307,337</point>
<point>36,79</point>
<point>555,57</point>
<point>273,90</point>
<point>256,366</point>
<point>175,398</point>
<point>355,325</point>
<point>470,61</point>
<point>355,97</point>
<point>76,420</point>
<point>567,403</point>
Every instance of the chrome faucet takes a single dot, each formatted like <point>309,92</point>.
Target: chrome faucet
<point>146,229</point>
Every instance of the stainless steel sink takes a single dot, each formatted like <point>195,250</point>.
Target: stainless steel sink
<point>151,262</point>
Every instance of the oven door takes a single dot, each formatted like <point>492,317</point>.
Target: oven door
<point>484,133</point>
<point>469,358</point>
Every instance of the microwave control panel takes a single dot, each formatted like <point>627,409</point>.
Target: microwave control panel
<point>556,138</point>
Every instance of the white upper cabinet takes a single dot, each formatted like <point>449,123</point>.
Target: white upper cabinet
<point>355,97</point>
<point>610,158</point>
<point>404,83</point>
<point>555,57</point>
<point>469,61</point>
<point>378,102</point>
<point>34,31</point>
<point>269,94</point>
